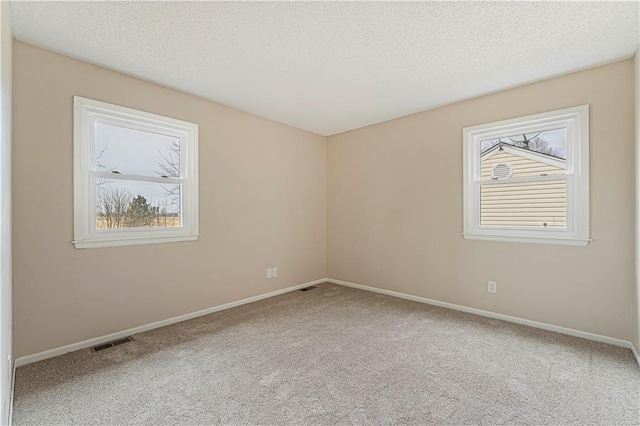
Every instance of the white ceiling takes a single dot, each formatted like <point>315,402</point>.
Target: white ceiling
<point>328,67</point>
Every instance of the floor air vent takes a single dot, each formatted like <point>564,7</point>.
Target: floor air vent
<point>111,344</point>
<point>308,288</point>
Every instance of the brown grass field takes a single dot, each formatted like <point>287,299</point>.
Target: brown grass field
<point>165,221</point>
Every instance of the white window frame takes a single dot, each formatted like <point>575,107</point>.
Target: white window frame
<point>576,121</point>
<point>88,112</point>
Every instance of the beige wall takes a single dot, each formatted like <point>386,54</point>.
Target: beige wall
<point>262,204</point>
<point>395,210</point>
<point>6,359</point>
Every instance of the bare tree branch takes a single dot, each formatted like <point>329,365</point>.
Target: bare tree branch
<point>112,204</point>
<point>170,167</point>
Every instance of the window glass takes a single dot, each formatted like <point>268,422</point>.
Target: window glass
<point>135,152</point>
<point>551,142</point>
<point>537,204</point>
<point>122,203</point>
<point>541,205</point>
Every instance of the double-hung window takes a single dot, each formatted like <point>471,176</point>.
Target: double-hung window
<point>135,176</point>
<point>527,179</point>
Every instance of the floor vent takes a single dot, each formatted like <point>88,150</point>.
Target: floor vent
<point>111,344</point>
<point>308,288</point>
<point>121,341</point>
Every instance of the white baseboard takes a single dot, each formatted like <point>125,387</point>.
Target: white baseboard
<point>119,335</point>
<point>530,323</point>
<point>13,381</point>
<point>113,336</point>
<point>635,353</point>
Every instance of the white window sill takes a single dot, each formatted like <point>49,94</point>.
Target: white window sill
<point>567,241</point>
<point>116,242</point>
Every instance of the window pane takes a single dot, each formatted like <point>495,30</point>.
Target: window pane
<point>136,204</point>
<point>552,143</point>
<point>524,155</point>
<point>123,150</point>
<point>541,205</point>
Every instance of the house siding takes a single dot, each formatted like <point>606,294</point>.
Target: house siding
<point>525,204</point>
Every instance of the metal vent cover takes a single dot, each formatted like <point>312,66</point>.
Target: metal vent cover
<point>502,171</point>
<point>111,344</point>
<point>308,288</point>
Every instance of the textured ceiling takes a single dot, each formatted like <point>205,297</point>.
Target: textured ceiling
<point>330,67</point>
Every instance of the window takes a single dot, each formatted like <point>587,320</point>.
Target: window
<point>527,179</point>
<point>135,177</point>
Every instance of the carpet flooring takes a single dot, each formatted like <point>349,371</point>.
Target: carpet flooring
<point>335,355</point>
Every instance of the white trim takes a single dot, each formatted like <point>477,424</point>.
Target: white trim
<point>637,194</point>
<point>524,179</point>
<point>123,176</point>
<point>489,314</point>
<point>534,239</point>
<point>636,355</point>
<point>117,242</point>
<point>13,385</point>
<point>576,122</point>
<point>88,112</point>
<point>28,359</point>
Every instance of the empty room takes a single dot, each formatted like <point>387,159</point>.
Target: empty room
<point>300,213</point>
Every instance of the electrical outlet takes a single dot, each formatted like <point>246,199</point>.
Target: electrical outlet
<point>492,287</point>
<point>274,272</point>
<point>269,273</point>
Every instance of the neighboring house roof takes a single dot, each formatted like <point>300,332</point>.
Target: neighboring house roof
<point>526,153</point>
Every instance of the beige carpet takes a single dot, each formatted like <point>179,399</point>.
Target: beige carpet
<point>336,355</point>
